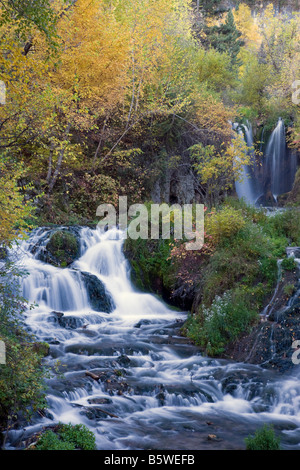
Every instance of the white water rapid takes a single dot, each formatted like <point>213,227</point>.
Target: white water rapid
<point>155,389</point>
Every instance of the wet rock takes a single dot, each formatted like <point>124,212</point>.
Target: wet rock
<point>54,342</point>
<point>267,200</point>
<point>62,249</point>
<point>100,401</point>
<point>66,321</point>
<point>161,396</point>
<point>95,413</point>
<point>141,323</point>
<point>293,251</point>
<point>270,343</point>
<point>99,298</point>
<point>124,360</point>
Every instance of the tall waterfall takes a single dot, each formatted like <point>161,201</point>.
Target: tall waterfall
<point>155,390</point>
<point>248,188</point>
<point>280,164</point>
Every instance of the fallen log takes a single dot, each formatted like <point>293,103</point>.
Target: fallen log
<point>106,412</point>
<point>93,376</point>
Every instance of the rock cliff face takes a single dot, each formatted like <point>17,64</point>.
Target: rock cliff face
<point>176,186</point>
<point>294,196</point>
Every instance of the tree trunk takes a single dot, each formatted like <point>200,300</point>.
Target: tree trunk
<point>93,376</point>
<point>100,142</point>
<point>48,178</point>
<point>59,162</point>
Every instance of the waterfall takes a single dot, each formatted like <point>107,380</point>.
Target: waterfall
<point>275,160</point>
<point>247,188</point>
<point>155,389</point>
<point>279,166</point>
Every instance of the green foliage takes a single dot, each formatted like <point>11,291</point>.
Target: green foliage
<point>14,211</point>
<point>150,263</point>
<point>22,387</point>
<point>288,264</point>
<point>289,289</point>
<point>51,441</point>
<point>215,69</point>
<point>67,437</point>
<point>263,439</point>
<point>227,317</point>
<point>239,261</point>
<point>28,16</point>
<point>285,224</point>
<point>251,91</point>
<point>246,258</point>
<point>226,38</point>
<point>224,224</point>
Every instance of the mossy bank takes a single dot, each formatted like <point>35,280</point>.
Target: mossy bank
<point>226,285</point>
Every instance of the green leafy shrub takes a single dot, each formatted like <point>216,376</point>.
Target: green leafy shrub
<point>51,441</point>
<point>289,289</point>
<point>284,224</point>
<point>246,260</point>
<point>288,264</point>
<point>228,316</point>
<point>22,387</point>
<point>264,439</point>
<point>224,224</point>
<point>67,437</point>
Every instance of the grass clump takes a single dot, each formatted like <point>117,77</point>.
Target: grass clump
<point>67,437</point>
<point>288,264</point>
<point>264,439</point>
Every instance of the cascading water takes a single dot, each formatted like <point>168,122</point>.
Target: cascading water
<point>280,165</point>
<point>154,390</point>
<point>248,188</point>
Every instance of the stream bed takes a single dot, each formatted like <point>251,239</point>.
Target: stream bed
<point>127,373</point>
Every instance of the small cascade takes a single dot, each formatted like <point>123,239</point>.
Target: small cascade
<point>294,252</point>
<point>155,390</point>
<point>269,308</point>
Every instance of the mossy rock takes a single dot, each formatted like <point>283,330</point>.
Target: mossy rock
<point>62,249</point>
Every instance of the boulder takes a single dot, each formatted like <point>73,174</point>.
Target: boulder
<point>62,249</point>
<point>100,300</point>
